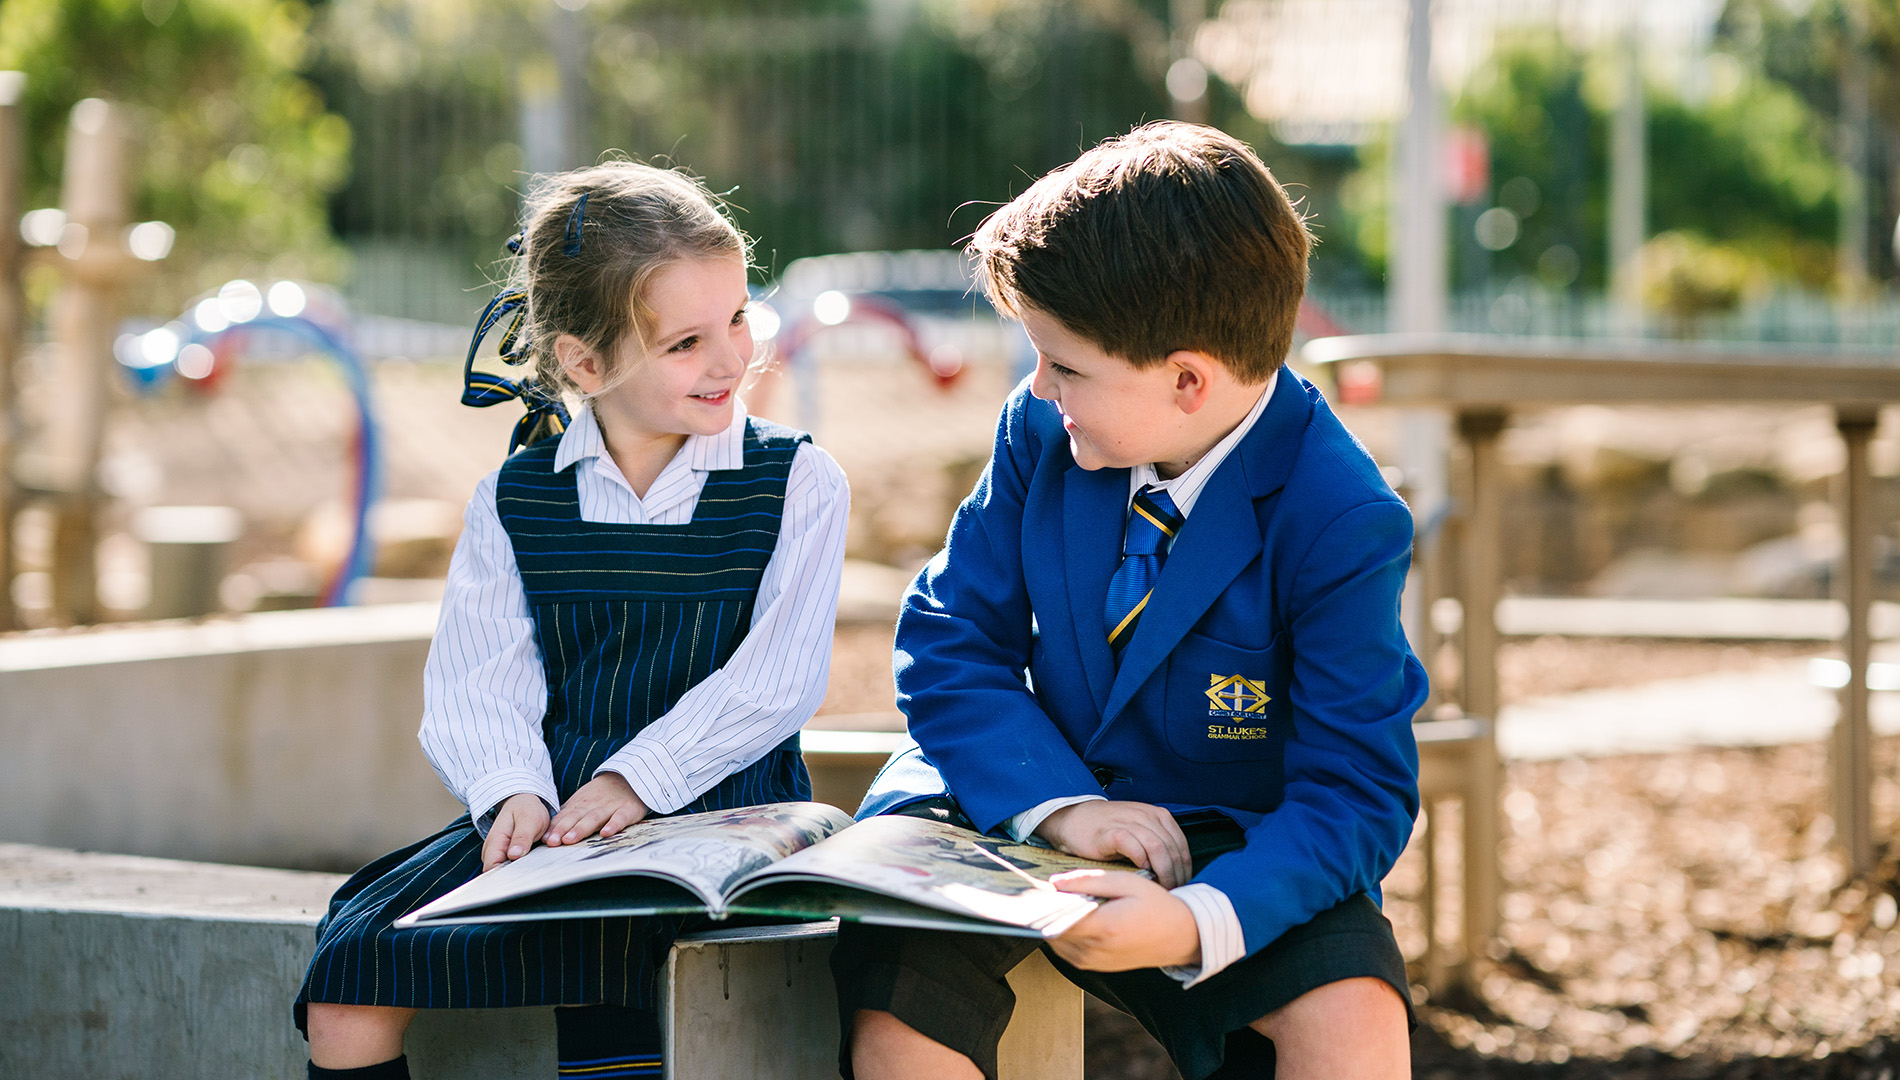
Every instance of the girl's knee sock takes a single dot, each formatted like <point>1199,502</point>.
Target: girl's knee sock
<point>397,1069</point>
<point>607,1042</point>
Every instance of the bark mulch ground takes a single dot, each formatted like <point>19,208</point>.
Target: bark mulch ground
<point>1669,916</point>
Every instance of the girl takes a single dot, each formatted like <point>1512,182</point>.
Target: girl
<point>638,620</point>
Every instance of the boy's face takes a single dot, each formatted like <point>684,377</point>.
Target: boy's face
<point>1117,415</point>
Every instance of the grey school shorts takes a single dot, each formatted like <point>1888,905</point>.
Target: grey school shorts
<point>952,987</point>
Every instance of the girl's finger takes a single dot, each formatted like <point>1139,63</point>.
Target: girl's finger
<point>622,818</point>
<point>493,845</point>
<point>584,827</point>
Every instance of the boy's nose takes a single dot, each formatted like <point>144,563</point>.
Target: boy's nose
<point>1041,385</point>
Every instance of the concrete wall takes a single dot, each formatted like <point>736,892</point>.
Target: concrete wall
<point>125,968</point>
<point>277,739</point>
<point>120,967</point>
<point>280,739</point>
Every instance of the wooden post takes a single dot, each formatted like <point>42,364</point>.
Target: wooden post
<point>1483,569</point>
<point>1851,748</point>
<point>86,316</point>
<point>12,320</point>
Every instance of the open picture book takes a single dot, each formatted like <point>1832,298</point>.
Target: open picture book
<point>783,860</point>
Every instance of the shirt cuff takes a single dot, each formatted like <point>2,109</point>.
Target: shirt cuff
<point>653,773</point>
<point>486,795</point>
<point>1023,826</point>
<point>1222,941</point>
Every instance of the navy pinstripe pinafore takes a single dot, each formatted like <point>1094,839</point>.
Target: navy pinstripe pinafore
<point>628,618</point>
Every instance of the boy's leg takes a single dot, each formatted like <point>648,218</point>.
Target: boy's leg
<point>924,996</point>
<point>1330,985</point>
<point>885,1048</point>
<point>1349,1029</point>
<point>356,1036</point>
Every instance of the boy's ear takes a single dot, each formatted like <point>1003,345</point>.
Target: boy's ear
<point>582,364</point>
<point>1193,378</point>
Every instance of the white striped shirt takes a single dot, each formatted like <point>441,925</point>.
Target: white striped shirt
<point>485,691</point>
<point>1222,940</point>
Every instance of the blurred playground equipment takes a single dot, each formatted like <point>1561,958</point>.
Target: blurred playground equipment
<point>223,326</point>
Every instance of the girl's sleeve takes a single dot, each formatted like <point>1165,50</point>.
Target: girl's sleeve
<point>775,679</point>
<point>484,692</point>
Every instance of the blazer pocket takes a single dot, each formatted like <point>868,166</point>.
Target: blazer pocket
<point>1225,703</point>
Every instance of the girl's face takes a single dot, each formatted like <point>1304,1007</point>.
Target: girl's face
<point>687,382</point>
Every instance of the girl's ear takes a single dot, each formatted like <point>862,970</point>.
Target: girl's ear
<point>582,364</point>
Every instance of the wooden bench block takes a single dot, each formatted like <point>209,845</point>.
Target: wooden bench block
<point>760,1002</point>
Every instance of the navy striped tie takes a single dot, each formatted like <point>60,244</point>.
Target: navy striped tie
<point>1152,523</point>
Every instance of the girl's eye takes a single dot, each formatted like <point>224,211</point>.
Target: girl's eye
<point>739,317</point>
<point>685,344</point>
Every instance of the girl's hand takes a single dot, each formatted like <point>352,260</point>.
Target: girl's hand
<point>518,825</point>
<point>605,805</point>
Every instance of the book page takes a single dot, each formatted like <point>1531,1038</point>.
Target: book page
<point>940,866</point>
<point>702,853</point>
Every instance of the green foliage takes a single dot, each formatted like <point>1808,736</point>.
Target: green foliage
<point>232,147</point>
<point>1748,166</point>
<point>1685,277</point>
<point>832,124</point>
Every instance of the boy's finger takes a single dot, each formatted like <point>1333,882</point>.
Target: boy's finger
<point>1100,883</point>
<point>1158,858</point>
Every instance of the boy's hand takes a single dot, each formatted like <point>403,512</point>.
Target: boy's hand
<point>518,826</point>
<point>605,805</point>
<point>1140,926</point>
<point>1144,835</point>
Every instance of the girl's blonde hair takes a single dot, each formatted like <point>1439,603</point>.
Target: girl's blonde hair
<point>636,221</point>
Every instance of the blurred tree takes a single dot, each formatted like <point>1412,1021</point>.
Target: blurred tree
<point>1748,166</point>
<point>833,124</point>
<point>1801,46</point>
<point>236,150</point>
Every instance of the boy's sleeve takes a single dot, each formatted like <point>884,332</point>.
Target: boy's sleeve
<point>483,689</point>
<point>963,642</point>
<point>1351,790</point>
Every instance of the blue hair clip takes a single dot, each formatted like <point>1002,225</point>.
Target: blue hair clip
<point>546,414</point>
<point>572,244</point>
<point>514,242</point>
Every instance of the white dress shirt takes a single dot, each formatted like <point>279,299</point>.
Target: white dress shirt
<point>485,691</point>
<point>1222,941</point>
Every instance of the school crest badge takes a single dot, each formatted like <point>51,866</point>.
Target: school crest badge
<point>1236,697</point>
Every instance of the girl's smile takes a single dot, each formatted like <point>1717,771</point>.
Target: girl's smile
<point>683,380</point>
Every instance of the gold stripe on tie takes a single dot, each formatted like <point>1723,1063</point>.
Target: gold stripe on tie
<point>1129,619</point>
<point>1158,523</point>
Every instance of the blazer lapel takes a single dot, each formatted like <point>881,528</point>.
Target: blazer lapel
<point>1200,565</point>
<point>1093,508</point>
<point>1205,559</point>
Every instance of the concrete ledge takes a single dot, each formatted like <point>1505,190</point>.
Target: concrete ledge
<point>120,966</point>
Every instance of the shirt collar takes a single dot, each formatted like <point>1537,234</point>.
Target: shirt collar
<point>1185,489</point>
<point>703,453</point>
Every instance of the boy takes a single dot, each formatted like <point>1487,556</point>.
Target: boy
<point>1164,627</point>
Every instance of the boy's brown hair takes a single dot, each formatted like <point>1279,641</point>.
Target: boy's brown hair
<point>1173,236</point>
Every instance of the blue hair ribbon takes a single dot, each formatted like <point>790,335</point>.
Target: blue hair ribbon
<point>546,414</point>
<point>575,217</point>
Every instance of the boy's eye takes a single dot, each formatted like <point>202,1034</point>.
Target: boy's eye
<point>1060,370</point>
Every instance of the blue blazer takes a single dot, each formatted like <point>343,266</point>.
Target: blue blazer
<point>1268,678</point>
